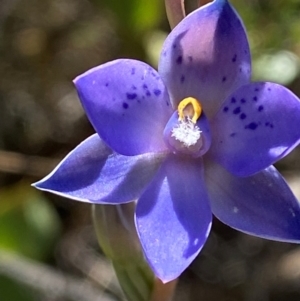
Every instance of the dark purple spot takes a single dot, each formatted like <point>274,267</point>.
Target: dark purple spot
<point>225,109</point>
<point>155,75</point>
<point>138,101</point>
<point>254,98</point>
<point>148,93</point>
<point>145,86</point>
<point>232,134</point>
<point>182,79</point>
<point>133,87</point>
<point>269,89</point>
<point>125,105</point>
<point>243,100</point>
<point>131,95</point>
<point>234,58</point>
<point>174,46</point>
<point>164,53</point>
<point>224,79</point>
<point>240,69</point>
<point>167,103</point>
<point>233,100</point>
<point>237,110</point>
<point>251,126</point>
<point>107,84</point>
<point>268,124</point>
<point>243,116</point>
<point>179,60</point>
<point>190,58</point>
<point>256,90</point>
<point>157,92</point>
<point>132,71</point>
<point>260,108</point>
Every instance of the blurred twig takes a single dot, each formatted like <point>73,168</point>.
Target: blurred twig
<point>75,250</point>
<point>48,281</point>
<point>12,162</point>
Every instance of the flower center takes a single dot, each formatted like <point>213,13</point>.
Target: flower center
<point>186,131</point>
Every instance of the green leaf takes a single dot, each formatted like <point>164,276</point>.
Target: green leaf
<point>29,224</point>
<point>135,15</point>
<point>11,290</point>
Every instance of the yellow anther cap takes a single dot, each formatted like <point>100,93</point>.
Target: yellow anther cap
<point>189,107</point>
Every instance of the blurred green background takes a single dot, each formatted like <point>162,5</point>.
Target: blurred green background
<point>48,249</point>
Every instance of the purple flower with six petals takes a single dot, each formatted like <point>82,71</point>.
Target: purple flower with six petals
<point>195,138</point>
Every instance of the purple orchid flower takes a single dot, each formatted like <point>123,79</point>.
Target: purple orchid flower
<point>195,138</point>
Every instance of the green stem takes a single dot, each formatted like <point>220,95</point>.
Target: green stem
<point>204,2</point>
<point>163,291</point>
<point>118,239</point>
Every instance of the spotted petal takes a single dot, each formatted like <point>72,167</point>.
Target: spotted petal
<point>262,205</point>
<point>255,127</point>
<point>93,173</point>
<point>128,105</point>
<point>206,56</point>
<point>173,216</point>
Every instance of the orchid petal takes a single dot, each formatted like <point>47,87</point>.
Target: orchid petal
<point>206,56</point>
<point>261,205</point>
<point>173,216</point>
<point>93,173</point>
<point>128,105</point>
<point>255,127</point>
